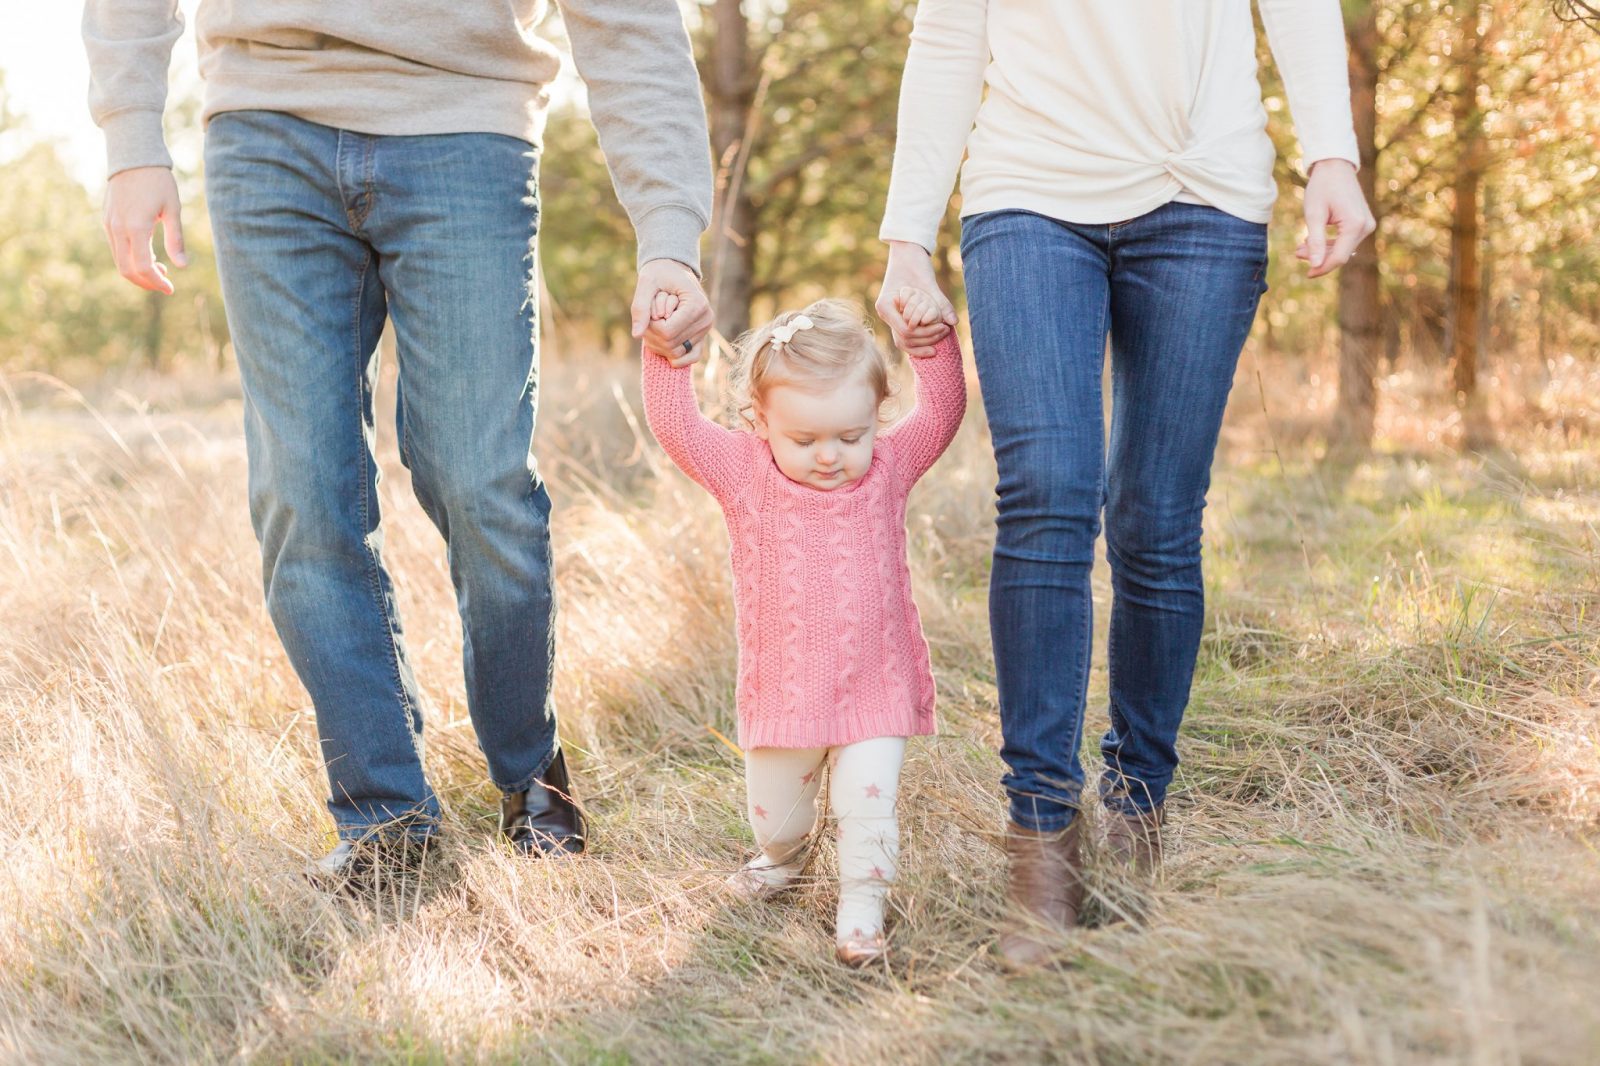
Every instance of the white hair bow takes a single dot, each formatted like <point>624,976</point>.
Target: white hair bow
<point>782,335</point>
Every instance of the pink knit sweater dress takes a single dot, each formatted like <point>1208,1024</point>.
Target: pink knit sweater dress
<point>831,649</point>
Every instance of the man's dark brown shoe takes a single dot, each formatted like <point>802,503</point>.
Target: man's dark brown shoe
<point>1134,839</point>
<point>368,864</point>
<point>544,819</point>
<point>1045,893</point>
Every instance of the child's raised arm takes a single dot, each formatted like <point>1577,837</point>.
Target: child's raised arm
<point>917,440</point>
<point>717,458</point>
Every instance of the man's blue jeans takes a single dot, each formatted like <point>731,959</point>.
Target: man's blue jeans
<point>320,235</point>
<point>1176,291</point>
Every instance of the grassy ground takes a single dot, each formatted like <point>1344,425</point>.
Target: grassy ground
<point>1383,834</point>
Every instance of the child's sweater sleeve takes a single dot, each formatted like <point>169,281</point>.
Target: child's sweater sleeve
<point>918,439</point>
<point>717,458</point>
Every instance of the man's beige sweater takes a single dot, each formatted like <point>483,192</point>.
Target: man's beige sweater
<point>417,67</point>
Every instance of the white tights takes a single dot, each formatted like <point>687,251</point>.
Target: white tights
<point>781,788</point>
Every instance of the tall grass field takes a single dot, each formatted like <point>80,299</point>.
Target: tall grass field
<point>1382,841</point>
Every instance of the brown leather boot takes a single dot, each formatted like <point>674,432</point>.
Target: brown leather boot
<point>1134,840</point>
<point>1044,895</point>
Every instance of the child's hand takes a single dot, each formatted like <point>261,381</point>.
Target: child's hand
<point>919,309</point>
<point>662,305</point>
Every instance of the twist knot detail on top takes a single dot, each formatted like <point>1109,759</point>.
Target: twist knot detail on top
<point>1101,111</point>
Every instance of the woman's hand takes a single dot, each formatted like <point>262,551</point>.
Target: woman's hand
<point>910,267</point>
<point>1333,198</point>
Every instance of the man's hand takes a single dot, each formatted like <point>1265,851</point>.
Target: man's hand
<point>677,336</point>
<point>910,267</point>
<point>135,201</point>
<point>1333,198</point>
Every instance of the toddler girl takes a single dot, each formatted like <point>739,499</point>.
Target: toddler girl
<point>833,666</point>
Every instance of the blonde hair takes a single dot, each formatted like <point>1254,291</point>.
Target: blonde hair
<point>837,344</point>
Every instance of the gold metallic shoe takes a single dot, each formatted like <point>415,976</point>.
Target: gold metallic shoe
<point>860,952</point>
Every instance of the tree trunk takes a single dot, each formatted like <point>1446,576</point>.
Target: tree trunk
<point>155,305</point>
<point>730,84</point>
<point>208,335</point>
<point>1542,321</point>
<point>1488,341</point>
<point>948,274</point>
<point>1466,277</point>
<point>1360,321</point>
<point>1466,272</point>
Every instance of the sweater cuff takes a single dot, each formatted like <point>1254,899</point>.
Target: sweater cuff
<point>1338,147</point>
<point>670,232</point>
<point>134,139</point>
<point>896,230</point>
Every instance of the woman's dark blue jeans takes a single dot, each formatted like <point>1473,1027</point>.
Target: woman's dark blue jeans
<point>1176,292</point>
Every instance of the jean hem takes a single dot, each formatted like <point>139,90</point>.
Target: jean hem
<point>527,782</point>
<point>1035,822</point>
<point>356,832</point>
<point>1130,807</point>
<point>1120,799</point>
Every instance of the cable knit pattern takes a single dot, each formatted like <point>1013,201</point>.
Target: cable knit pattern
<point>845,595</point>
<point>791,649</point>
<point>820,582</point>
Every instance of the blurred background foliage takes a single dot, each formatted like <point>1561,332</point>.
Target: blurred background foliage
<point>1480,130</point>
<point>63,307</point>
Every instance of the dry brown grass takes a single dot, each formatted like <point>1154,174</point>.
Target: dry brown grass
<point>1384,831</point>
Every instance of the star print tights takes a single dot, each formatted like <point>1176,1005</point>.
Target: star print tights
<point>864,781</point>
